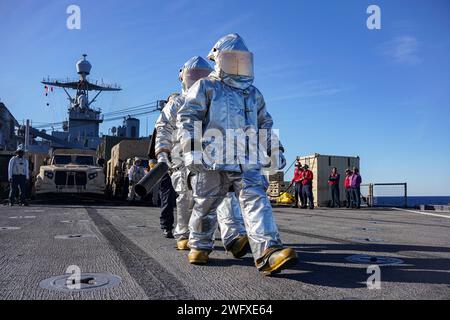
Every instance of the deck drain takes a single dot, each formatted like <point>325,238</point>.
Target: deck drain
<point>366,229</point>
<point>75,236</point>
<point>9,228</point>
<point>88,282</point>
<point>368,239</point>
<point>366,259</point>
<point>23,217</point>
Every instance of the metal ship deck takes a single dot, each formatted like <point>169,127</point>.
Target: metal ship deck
<point>42,241</point>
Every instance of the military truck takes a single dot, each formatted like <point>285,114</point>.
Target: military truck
<point>122,155</point>
<point>71,171</point>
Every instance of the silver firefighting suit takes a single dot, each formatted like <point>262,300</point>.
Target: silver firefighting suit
<point>231,222</point>
<point>221,105</point>
<point>229,216</point>
<point>230,219</point>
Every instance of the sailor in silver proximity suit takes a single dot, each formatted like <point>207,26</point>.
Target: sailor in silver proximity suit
<point>229,215</point>
<point>227,103</point>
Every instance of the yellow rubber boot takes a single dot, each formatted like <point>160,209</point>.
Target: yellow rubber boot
<point>198,256</point>
<point>183,244</point>
<point>277,260</point>
<point>240,247</point>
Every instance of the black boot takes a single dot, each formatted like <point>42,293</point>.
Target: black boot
<point>168,234</point>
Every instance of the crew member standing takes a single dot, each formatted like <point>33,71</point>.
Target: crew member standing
<point>333,182</point>
<point>297,181</point>
<point>348,185</point>
<point>167,194</point>
<point>308,177</point>
<point>356,181</point>
<point>135,174</point>
<point>18,175</point>
<point>168,202</point>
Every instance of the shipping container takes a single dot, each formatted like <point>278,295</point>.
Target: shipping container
<point>321,166</point>
<point>105,147</point>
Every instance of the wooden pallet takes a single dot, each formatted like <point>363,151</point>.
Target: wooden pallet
<point>277,188</point>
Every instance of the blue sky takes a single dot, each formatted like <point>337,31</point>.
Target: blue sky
<point>332,85</point>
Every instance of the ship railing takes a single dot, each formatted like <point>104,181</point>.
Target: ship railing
<point>385,194</point>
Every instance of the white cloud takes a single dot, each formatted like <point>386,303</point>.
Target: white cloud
<point>402,49</point>
<point>307,89</point>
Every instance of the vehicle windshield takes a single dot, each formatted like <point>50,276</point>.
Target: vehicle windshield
<point>62,159</point>
<point>84,160</point>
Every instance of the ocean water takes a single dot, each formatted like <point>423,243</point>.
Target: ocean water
<point>413,201</point>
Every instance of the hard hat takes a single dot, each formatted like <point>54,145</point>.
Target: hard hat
<point>152,163</point>
<point>20,148</point>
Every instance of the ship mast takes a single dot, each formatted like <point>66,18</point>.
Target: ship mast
<point>83,121</point>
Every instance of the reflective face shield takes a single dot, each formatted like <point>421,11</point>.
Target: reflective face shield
<point>191,76</point>
<point>238,63</point>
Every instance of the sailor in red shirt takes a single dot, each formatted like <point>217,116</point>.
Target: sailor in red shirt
<point>333,182</point>
<point>297,181</point>
<point>348,186</point>
<point>307,179</point>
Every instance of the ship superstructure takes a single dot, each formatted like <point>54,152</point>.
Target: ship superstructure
<point>81,130</point>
